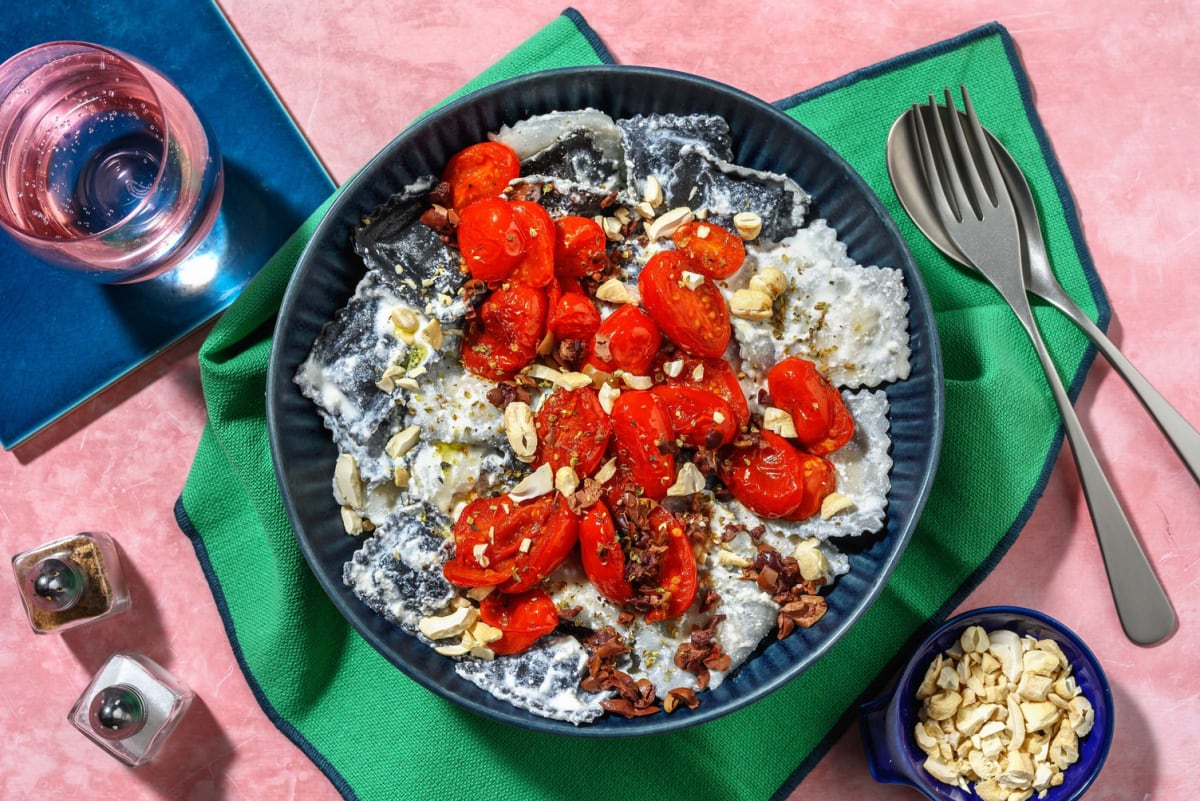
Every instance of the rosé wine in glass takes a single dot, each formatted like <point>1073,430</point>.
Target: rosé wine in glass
<point>105,167</point>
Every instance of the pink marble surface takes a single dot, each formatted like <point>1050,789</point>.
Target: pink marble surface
<point>1118,87</point>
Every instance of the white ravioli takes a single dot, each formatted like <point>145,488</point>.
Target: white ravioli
<point>851,320</point>
<point>535,134</point>
<point>452,405</point>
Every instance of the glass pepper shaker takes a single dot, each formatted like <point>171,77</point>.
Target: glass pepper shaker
<point>71,581</point>
<point>131,707</point>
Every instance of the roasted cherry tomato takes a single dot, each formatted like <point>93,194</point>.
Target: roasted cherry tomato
<point>677,575</point>
<point>464,575</point>
<point>536,266</point>
<point>820,479</point>
<point>841,428</point>
<point>627,340</point>
<point>644,441</point>
<point>551,539</point>
<point>699,418</point>
<point>490,542</point>
<point>491,241</point>
<point>714,251</point>
<point>767,477</point>
<point>580,247</point>
<point>524,619</point>
<point>601,554</point>
<point>572,431</point>
<point>693,314</point>
<point>715,375</point>
<point>480,171</point>
<point>797,387</point>
<point>573,316</point>
<point>509,326</point>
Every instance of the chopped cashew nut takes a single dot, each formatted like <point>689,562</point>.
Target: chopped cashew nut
<point>614,291</point>
<point>608,395</point>
<point>606,471</point>
<point>520,429</point>
<point>731,559</point>
<point>688,481</point>
<point>999,715</point>
<point>348,482</point>
<point>750,304</point>
<point>534,485</point>
<point>402,442</point>
<point>835,503</point>
<point>566,380</point>
<point>451,625</point>
<point>653,193</point>
<point>779,422</point>
<point>566,480</point>
<point>748,224</point>
<point>666,224</point>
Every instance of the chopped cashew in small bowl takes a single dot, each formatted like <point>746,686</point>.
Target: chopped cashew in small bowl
<point>998,704</point>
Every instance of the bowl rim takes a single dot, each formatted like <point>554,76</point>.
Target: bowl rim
<point>279,379</point>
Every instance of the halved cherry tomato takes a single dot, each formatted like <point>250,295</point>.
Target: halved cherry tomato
<point>551,539</point>
<point>491,241</point>
<point>580,247</point>
<point>572,431</point>
<point>536,266</point>
<point>797,387</point>
<point>480,171</point>
<point>715,375</point>
<point>505,336</point>
<point>627,340</point>
<point>767,477</point>
<point>644,441</point>
<point>820,479</point>
<point>601,554</point>
<point>490,547</point>
<point>573,316</point>
<point>524,619</point>
<point>715,251</point>
<point>841,429</point>
<point>699,418</point>
<point>696,319</point>
<point>461,574</point>
<point>677,575</point>
<point>484,537</point>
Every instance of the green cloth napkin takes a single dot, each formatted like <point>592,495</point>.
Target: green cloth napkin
<point>378,735</point>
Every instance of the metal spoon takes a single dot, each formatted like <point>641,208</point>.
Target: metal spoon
<point>1039,276</point>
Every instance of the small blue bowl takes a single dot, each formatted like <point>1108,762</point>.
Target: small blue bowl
<point>887,723</point>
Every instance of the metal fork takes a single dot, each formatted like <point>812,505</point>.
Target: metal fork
<point>973,202</point>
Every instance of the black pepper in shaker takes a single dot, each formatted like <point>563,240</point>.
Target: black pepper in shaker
<point>71,581</point>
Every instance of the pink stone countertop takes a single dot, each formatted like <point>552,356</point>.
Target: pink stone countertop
<point>1117,85</point>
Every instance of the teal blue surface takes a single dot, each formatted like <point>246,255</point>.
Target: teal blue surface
<point>63,339</point>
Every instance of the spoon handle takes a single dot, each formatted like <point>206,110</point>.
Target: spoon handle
<point>1179,432</point>
<point>1142,605</point>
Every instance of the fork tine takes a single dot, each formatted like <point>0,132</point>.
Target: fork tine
<point>997,191</point>
<point>933,170</point>
<point>962,198</point>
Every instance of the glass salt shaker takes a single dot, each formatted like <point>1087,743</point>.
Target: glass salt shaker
<point>71,581</point>
<point>131,707</point>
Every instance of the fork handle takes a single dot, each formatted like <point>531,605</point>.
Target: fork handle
<point>1179,432</point>
<point>1142,605</point>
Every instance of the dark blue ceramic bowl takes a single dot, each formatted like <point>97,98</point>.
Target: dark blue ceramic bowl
<point>764,138</point>
<point>887,724</point>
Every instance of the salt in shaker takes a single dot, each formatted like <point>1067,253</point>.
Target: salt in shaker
<point>131,707</point>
